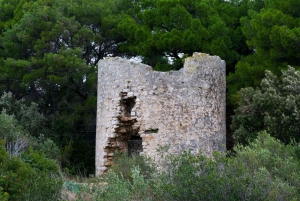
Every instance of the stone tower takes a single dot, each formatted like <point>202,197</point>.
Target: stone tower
<point>139,110</point>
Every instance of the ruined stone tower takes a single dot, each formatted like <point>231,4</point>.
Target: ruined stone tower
<point>139,110</point>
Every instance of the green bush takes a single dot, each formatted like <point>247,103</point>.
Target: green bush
<point>123,165</point>
<point>22,127</point>
<point>128,179</point>
<point>48,148</point>
<point>274,107</point>
<point>118,188</point>
<point>255,174</point>
<point>3,195</point>
<point>201,178</point>
<point>16,139</point>
<point>281,161</point>
<point>28,117</point>
<point>265,170</point>
<point>29,177</point>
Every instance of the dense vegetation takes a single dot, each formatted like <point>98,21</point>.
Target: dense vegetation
<point>49,50</point>
<point>273,107</point>
<point>28,169</point>
<point>265,170</point>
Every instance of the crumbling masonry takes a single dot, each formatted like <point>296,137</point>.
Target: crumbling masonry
<point>140,110</point>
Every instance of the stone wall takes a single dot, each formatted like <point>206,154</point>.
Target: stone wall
<point>139,110</point>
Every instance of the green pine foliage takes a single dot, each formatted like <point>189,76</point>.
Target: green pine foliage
<point>272,34</point>
<point>164,29</point>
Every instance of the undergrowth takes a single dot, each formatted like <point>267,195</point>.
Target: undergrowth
<point>264,170</point>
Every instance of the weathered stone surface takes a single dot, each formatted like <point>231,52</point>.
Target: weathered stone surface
<point>182,109</point>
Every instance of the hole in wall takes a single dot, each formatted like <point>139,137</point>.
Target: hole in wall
<point>151,131</point>
<point>126,106</point>
<point>134,145</point>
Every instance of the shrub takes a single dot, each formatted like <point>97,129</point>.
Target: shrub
<point>265,170</point>
<point>20,125</point>
<point>123,166</point>
<point>27,116</point>
<point>47,147</point>
<point>119,188</point>
<point>274,108</point>
<point>130,178</point>
<point>30,177</point>
<point>3,195</point>
<point>281,161</point>
<point>201,178</point>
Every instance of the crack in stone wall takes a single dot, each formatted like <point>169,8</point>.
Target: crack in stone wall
<point>125,125</point>
<point>140,110</point>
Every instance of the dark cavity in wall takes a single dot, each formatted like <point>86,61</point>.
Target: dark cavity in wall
<point>135,146</point>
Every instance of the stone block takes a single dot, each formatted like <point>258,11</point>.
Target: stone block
<point>130,94</point>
